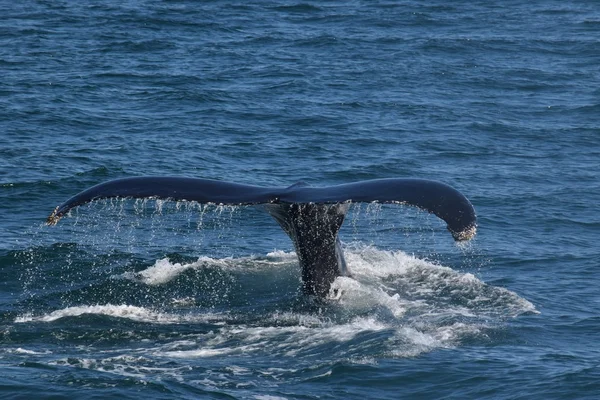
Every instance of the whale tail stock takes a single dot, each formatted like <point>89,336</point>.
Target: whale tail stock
<point>313,228</point>
<point>310,216</point>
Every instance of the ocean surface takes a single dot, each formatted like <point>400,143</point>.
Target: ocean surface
<point>152,299</point>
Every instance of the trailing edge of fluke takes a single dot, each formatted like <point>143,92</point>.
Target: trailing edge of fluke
<point>311,216</point>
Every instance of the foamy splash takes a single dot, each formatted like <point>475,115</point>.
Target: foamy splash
<point>164,271</point>
<point>133,313</point>
<point>394,305</point>
<point>427,285</point>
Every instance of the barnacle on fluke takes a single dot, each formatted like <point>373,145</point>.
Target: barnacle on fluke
<point>53,218</point>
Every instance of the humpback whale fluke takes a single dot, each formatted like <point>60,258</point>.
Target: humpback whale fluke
<point>311,216</point>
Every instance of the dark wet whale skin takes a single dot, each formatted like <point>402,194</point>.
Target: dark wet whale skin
<point>311,216</point>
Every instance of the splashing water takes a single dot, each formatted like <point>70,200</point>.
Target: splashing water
<point>395,305</point>
<point>182,315</point>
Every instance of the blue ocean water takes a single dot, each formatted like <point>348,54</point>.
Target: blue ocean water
<point>163,300</point>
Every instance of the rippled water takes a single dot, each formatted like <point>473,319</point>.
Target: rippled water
<point>125,299</point>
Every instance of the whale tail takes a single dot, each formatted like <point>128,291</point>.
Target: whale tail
<point>311,217</point>
<point>313,228</point>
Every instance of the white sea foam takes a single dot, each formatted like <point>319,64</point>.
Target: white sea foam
<point>20,350</point>
<point>164,271</point>
<point>123,365</point>
<point>121,311</point>
<point>395,272</point>
<point>280,255</point>
<point>134,313</point>
<point>359,297</point>
<point>394,305</point>
<point>284,340</point>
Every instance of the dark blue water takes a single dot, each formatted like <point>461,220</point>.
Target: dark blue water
<point>162,300</point>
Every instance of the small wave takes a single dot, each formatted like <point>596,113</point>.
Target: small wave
<point>268,397</point>
<point>298,8</point>
<point>134,313</point>
<point>20,350</point>
<point>123,365</point>
<point>122,311</point>
<point>282,255</point>
<point>164,271</point>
